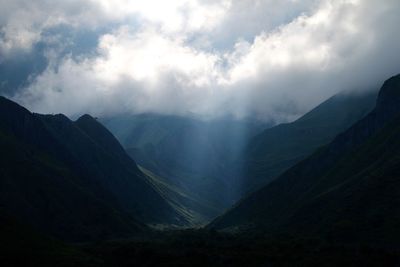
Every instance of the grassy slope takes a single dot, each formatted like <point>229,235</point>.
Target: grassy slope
<point>181,200</point>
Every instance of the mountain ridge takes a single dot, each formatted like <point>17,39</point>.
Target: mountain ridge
<point>73,179</point>
<point>278,148</point>
<point>319,187</point>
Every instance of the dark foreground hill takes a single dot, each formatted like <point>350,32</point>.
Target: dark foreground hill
<point>190,248</point>
<point>347,191</point>
<point>72,179</point>
<point>20,245</point>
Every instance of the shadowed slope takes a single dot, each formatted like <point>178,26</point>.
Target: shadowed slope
<point>347,190</point>
<point>73,180</point>
<point>278,148</point>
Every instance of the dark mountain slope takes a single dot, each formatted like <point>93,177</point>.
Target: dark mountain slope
<point>70,182</point>
<point>347,190</point>
<point>101,136</point>
<point>162,214</point>
<point>38,188</point>
<point>278,148</point>
<point>100,153</point>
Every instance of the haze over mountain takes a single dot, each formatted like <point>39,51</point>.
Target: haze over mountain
<point>192,155</point>
<point>216,162</point>
<point>347,190</point>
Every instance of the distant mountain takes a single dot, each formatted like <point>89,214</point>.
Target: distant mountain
<point>346,191</point>
<point>277,149</point>
<point>72,179</point>
<point>191,155</point>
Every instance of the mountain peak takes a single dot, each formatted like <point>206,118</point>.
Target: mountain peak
<point>100,135</point>
<point>95,130</point>
<point>86,117</point>
<point>387,105</point>
<point>7,104</point>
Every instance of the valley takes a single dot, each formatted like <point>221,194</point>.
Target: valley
<point>198,133</point>
<point>174,191</point>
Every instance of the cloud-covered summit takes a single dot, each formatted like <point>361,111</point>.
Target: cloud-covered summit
<point>270,59</point>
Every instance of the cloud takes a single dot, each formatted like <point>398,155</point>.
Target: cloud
<point>22,22</point>
<point>246,19</point>
<point>270,59</point>
<point>138,72</point>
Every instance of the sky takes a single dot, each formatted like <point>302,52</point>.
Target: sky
<point>267,59</point>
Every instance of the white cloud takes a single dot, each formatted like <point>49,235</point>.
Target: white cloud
<point>145,56</point>
<point>168,59</point>
<point>145,69</point>
<point>172,16</point>
<point>22,21</point>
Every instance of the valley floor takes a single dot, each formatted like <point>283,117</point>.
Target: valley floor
<point>205,248</point>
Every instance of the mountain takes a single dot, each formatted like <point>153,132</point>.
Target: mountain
<point>276,149</point>
<point>100,152</point>
<point>73,180</point>
<point>214,163</point>
<point>191,155</point>
<point>346,191</point>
